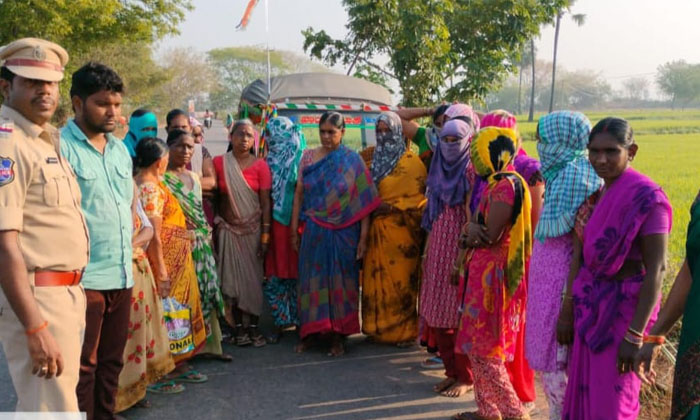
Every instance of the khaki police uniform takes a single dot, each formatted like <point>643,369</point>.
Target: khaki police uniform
<point>40,199</point>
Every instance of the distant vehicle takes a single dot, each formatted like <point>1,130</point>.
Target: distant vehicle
<point>207,119</point>
<point>304,97</point>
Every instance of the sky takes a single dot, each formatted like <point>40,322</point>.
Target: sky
<point>620,39</point>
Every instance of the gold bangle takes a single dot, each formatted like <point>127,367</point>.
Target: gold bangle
<point>265,238</point>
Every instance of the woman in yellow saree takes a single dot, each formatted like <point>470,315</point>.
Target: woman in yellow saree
<point>169,252</point>
<point>390,281</point>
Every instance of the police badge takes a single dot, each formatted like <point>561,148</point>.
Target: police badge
<point>7,171</point>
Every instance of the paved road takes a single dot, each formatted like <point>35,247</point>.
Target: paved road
<point>369,382</point>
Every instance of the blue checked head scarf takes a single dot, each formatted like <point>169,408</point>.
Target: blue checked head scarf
<point>569,177</point>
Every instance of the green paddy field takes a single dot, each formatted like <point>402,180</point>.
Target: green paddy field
<point>669,152</point>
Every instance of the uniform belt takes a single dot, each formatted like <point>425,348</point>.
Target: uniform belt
<point>57,278</point>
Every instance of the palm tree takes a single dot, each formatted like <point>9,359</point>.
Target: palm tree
<point>525,59</point>
<point>531,114</point>
<point>580,20</point>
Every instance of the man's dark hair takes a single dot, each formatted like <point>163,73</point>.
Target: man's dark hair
<point>6,74</point>
<point>95,77</point>
<point>173,114</point>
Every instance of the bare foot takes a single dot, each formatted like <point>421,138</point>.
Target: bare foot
<point>302,346</point>
<point>338,349</point>
<point>446,383</point>
<point>457,390</point>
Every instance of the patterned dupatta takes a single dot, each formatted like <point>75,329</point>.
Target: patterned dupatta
<point>338,190</point>
<point>492,152</point>
<point>244,202</point>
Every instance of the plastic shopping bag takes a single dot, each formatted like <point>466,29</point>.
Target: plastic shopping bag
<point>179,326</point>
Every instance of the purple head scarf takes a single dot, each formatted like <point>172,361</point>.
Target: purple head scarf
<point>462,110</point>
<point>447,183</point>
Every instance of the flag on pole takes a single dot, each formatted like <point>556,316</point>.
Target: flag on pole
<point>246,16</point>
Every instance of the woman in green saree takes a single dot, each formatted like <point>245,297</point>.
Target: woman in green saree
<point>187,188</point>
<point>684,300</point>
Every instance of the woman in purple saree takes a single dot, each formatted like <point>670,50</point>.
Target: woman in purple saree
<point>619,255</point>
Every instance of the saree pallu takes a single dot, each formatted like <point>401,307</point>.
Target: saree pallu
<point>240,267</point>
<point>202,255</point>
<point>146,354</point>
<point>338,194</point>
<point>238,242</point>
<point>604,305</point>
<point>390,279</point>
<point>184,286</point>
<point>686,382</point>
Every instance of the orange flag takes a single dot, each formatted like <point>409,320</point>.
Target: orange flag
<point>246,16</point>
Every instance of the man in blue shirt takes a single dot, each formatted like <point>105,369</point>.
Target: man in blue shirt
<point>103,166</point>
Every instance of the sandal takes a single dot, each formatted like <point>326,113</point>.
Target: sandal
<point>258,339</point>
<point>192,377</point>
<point>169,387</point>
<point>432,363</point>
<point>242,337</point>
<point>144,403</point>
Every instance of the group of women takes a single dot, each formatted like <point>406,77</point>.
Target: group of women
<point>508,264</point>
<point>202,229</point>
<point>578,238</point>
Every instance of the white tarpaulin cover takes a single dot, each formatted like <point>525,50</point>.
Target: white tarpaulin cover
<point>319,88</point>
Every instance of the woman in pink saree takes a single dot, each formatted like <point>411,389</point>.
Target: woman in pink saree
<point>614,287</point>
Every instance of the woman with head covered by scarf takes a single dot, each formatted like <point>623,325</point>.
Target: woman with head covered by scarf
<point>142,124</point>
<point>447,189</point>
<point>562,140</point>
<point>500,237</point>
<point>286,143</point>
<point>391,267</point>
<point>521,375</point>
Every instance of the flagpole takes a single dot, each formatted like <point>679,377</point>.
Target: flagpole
<point>267,40</point>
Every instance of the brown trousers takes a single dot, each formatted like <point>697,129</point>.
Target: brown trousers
<point>101,361</point>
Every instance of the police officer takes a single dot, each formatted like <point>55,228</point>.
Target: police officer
<point>43,235</point>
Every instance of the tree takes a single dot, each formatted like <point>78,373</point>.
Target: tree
<point>526,59</point>
<point>86,27</point>
<point>636,88</point>
<point>80,25</point>
<point>236,67</point>
<point>679,80</point>
<point>135,65</point>
<point>436,48</point>
<point>580,19</point>
<point>188,75</point>
<point>531,114</point>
